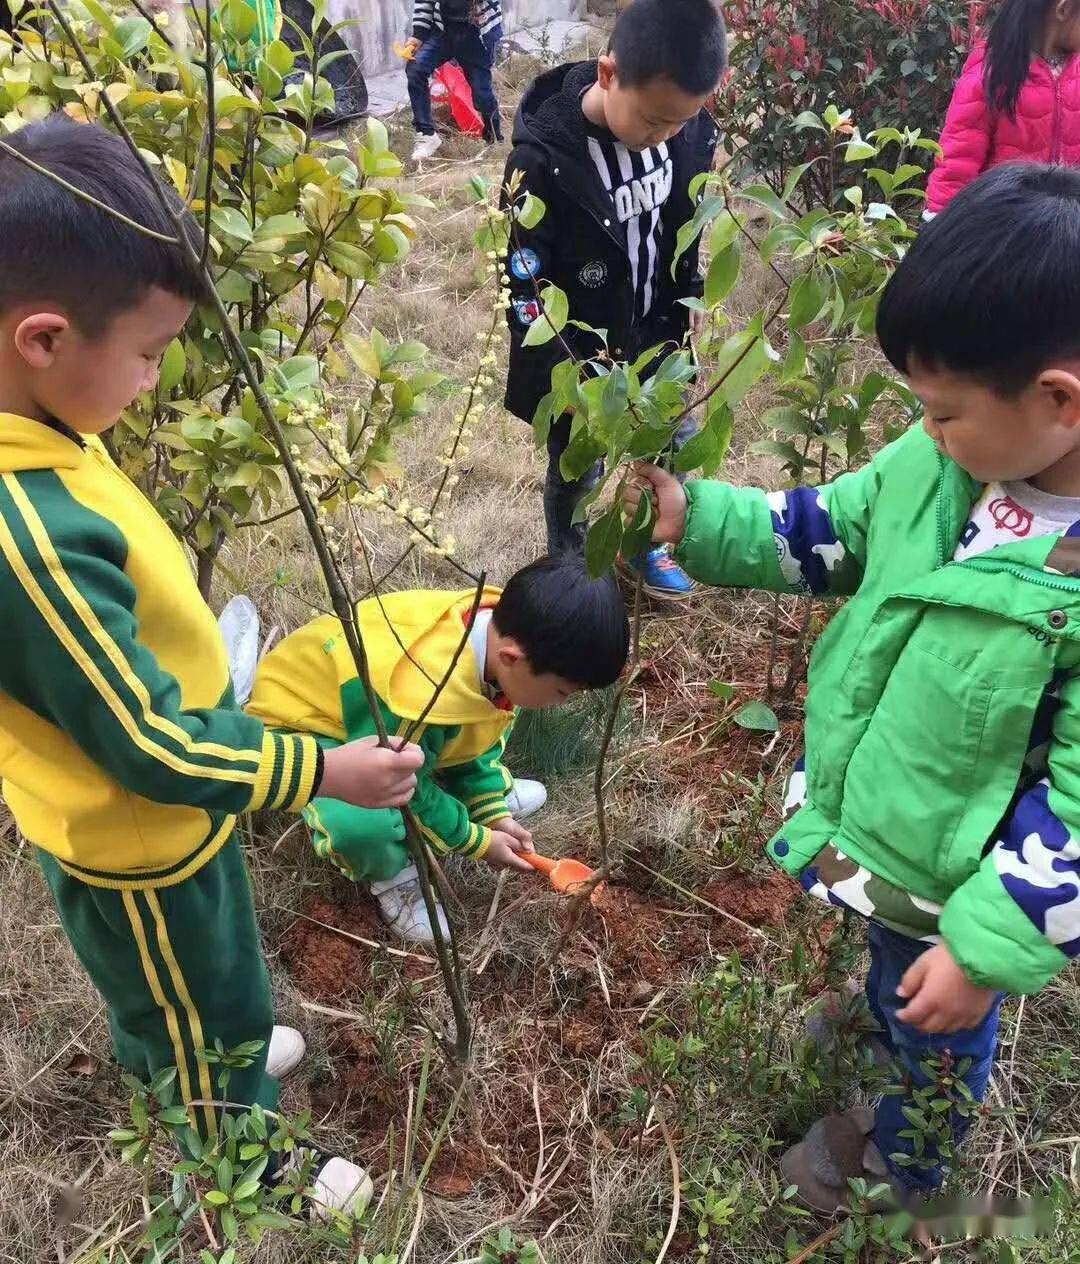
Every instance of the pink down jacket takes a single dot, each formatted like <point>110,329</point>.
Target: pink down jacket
<point>1046,127</point>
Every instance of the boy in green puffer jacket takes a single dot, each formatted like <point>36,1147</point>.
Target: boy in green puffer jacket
<point>940,795</point>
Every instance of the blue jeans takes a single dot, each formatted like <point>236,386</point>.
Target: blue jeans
<point>890,956</point>
<point>561,497</point>
<point>475,54</point>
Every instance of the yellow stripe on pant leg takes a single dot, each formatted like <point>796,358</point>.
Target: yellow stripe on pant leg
<point>171,1020</point>
<point>198,1041</point>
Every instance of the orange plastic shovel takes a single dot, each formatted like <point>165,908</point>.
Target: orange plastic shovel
<point>566,876</point>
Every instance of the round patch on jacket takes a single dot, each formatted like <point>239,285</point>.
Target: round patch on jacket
<point>527,310</point>
<point>525,264</point>
<point>594,274</point>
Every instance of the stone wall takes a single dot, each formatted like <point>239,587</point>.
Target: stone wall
<point>385,22</point>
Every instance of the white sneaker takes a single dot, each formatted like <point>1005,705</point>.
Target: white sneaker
<point>401,904</point>
<point>341,1187</point>
<point>286,1052</point>
<point>526,798</point>
<point>337,1186</point>
<point>426,147</point>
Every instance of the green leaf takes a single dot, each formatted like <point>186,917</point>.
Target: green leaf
<point>133,35</point>
<point>707,210</point>
<point>700,452</point>
<point>795,361</point>
<point>175,1117</point>
<point>238,20</point>
<point>553,322</point>
<point>216,1198</point>
<point>378,141</point>
<point>794,176</point>
<point>858,150</point>
<point>807,300</point>
<point>757,716</point>
<point>764,196</point>
<point>787,452</point>
<point>280,56</point>
<point>281,226</point>
<point>722,275</point>
<point>742,361</point>
<point>531,211</point>
<point>719,690</point>
<point>809,119</point>
<point>616,393</point>
<point>603,541</point>
<point>229,219</point>
<point>173,364</point>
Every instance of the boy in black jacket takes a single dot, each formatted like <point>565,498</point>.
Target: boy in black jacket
<point>611,148</point>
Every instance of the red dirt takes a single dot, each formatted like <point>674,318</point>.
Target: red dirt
<point>328,967</point>
<point>757,901</point>
<point>331,967</point>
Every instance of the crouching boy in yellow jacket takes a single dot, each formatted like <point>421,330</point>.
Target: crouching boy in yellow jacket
<point>549,634</point>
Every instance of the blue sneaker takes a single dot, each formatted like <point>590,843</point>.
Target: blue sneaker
<point>665,579</point>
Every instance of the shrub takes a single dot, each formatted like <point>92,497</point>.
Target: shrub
<point>883,59</point>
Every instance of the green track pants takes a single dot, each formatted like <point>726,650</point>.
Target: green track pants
<point>178,967</point>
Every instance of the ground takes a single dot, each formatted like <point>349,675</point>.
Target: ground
<point>667,1022</point>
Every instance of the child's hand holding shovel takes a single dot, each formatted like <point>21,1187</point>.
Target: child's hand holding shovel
<point>509,841</point>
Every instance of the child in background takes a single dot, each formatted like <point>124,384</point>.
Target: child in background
<point>549,634</point>
<point>940,795</point>
<point>1018,98</point>
<point>125,760</point>
<point>611,147</point>
<point>465,31</point>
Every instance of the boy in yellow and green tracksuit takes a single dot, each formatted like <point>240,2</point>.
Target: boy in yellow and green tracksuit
<point>125,761</point>
<point>552,632</point>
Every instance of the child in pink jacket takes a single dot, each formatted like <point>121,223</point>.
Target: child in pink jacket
<point>1017,100</point>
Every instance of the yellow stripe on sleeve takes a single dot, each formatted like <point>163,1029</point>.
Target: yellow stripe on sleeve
<point>92,673</point>
<point>93,625</point>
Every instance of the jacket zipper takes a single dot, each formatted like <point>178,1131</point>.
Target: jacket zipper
<point>1060,583</point>
<point>1055,130</point>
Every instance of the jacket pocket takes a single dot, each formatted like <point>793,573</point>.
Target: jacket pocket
<point>938,762</point>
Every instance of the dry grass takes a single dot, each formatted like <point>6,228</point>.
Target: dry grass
<point>558,1023</point>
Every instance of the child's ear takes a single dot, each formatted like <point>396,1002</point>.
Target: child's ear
<point>510,654</point>
<point>38,336</point>
<point>605,70</point>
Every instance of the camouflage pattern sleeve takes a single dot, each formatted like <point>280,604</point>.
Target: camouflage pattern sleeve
<point>1015,923</point>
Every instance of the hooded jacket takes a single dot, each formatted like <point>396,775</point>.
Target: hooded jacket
<point>925,691</point>
<point>579,245</point>
<point>309,683</point>
<point>1045,128</point>
<point>121,750</point>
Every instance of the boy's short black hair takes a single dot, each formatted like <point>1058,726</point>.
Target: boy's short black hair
<point>991,288</point>
<point>568,623</point>
<point>681,40</point>
<point>57,247</point>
